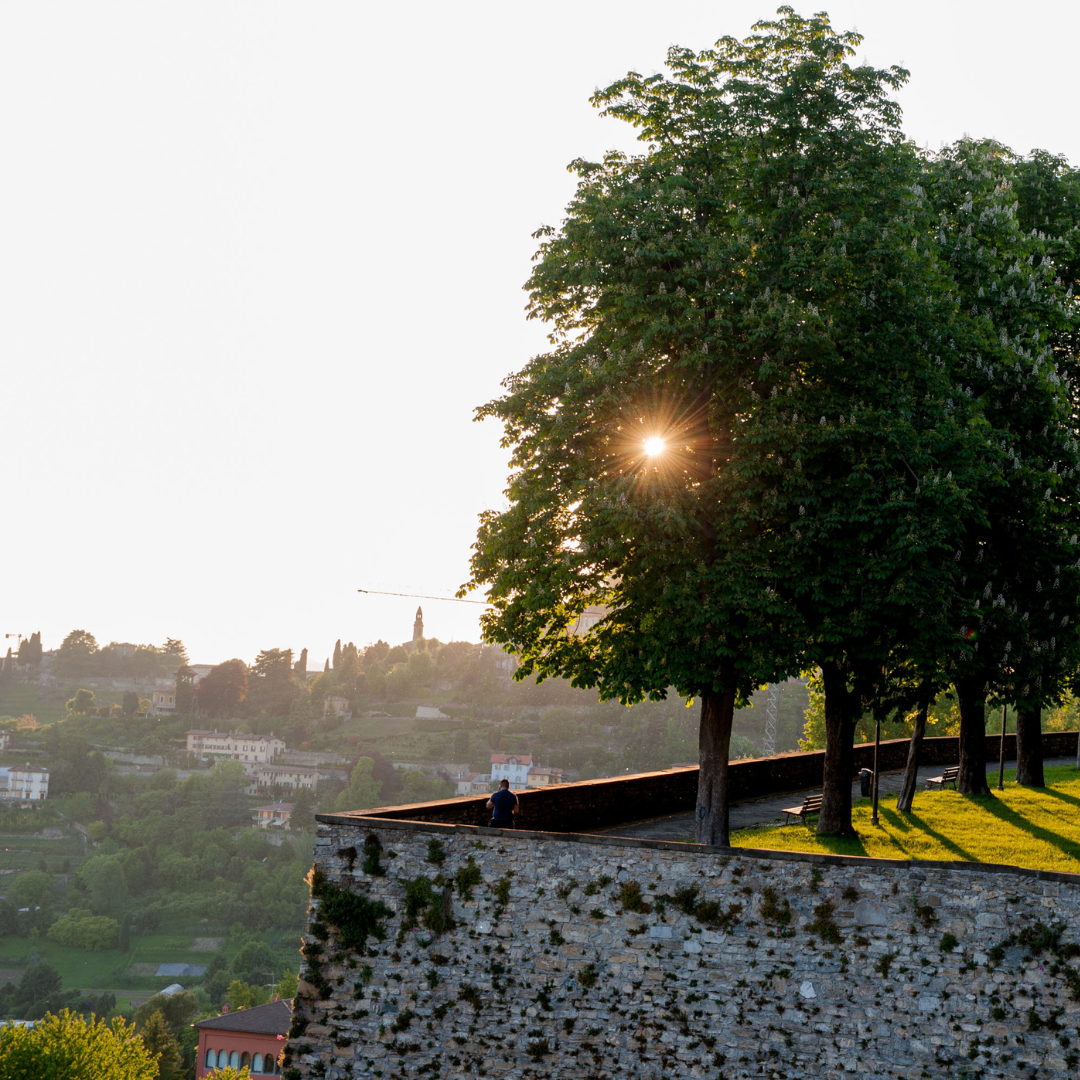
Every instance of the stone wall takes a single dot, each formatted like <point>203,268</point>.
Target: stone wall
<point>599,804</point>
<point>602,957</point>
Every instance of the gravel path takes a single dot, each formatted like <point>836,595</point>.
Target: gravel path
<point>754,813</point>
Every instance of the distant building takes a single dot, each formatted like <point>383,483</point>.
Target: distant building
<point>512,767</point>
<point>5,741</point>
<point>125,649</point>
<point>474,783</point>
<point>162,701</point>
<point>337,706</point>
<point>429,712</point>
<point>24,783</point>
<point>503,664</point>
<point>234,745</point>
<point>543,777</point>
<point>274,816</point>
<point>248,1038</point>
<point>418,625</point>
<point>288,776</point>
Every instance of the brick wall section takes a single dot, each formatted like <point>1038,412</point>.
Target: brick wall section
<point>562,982</point>
<point>599,804</point>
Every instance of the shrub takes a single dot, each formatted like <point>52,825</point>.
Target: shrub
<point>467,877</point>
<point>631,899</point>
<point>773,909</point>
<point>824,925</point>
<point>81,930</point>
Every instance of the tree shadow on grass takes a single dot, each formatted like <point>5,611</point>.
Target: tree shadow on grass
<point>952,846</point>
<point>1071,799</point>
<point>1006,814</point>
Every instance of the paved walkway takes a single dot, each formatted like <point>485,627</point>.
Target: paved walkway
<point>759,813</point>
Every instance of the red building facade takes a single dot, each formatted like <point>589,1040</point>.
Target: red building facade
<point>249,1038</point>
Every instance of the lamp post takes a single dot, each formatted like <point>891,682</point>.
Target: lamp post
<point>1001,750</point>
<point>877,743</point>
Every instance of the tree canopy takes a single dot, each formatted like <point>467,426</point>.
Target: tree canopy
<point>69,1047</point>
<point>758,443</point>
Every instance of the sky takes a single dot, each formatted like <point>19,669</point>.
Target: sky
<point>260,262</point>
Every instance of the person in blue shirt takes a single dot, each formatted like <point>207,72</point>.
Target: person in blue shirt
<point>503,806</point>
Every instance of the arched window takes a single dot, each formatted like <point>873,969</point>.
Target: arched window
<point>211,1059</point>
<point>245,1060</point>
<point>234,1059</point>
<point>257,1063</point>
<point>271,1064</point>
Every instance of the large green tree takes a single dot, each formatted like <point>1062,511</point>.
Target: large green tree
<point>77,654</point>
<point>737,452</point>
<point>69,1047</point>
<point>1015,356</point>
<point>223,688</point>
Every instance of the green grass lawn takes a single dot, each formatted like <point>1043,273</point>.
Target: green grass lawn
<point>1032,827</point>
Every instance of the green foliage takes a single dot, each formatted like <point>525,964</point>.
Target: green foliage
<point>629,896</point>
<point>467,878</point>
<point>34,889</point>
<point>436,852</point>
<point>355,917</point>
<point>286,985</point>
<point>223,688</point>
<point>161,1044</point>
<point>69,1047</point>
<point>774,908</point>
<point>76,654</point>
<point>363,790</point>
<point>423,904</point>
<point>79,929</point>
<point>372,852</point>
<point>708,912</point>
<point>38,992</point>
<point>824,924</point>
<point>242,995</point>
<point>254,961</point>
<point>82,702</point>
<point>559,724</point>
<point>948,942</point>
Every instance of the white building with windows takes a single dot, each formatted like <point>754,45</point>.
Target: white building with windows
<point>261,777</point>
<point>24,783</point>
<point>512,767</point>
<point>235,746</point>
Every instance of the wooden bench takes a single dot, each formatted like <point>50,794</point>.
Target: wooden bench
<point>949,776</point>
<point>811,805</point>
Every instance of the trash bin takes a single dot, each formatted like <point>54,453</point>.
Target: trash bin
<point>866,781</point>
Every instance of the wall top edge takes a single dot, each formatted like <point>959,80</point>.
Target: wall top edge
<point>362,821</point>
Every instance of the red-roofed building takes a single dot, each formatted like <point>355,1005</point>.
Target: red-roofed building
<point>512,767</point>
<point>249,1038</point>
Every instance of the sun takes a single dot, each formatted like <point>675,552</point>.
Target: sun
<point>654,446</point>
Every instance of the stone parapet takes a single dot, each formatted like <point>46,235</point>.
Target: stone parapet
<point>602,804</point>
<point>589,957</point>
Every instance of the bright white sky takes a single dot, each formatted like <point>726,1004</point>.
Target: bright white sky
<point>260,261</point>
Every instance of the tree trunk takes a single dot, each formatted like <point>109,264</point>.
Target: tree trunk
<point>911,770</point>
<point>835,819</point>
<point>1029,747</point>
<point>972,778</point>
<point>714,740</point>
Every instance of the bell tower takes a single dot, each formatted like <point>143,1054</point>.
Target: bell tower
<point>418,626</point>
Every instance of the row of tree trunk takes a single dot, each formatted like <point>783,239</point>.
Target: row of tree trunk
<point>972,777</point>
<point>841,712</point>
